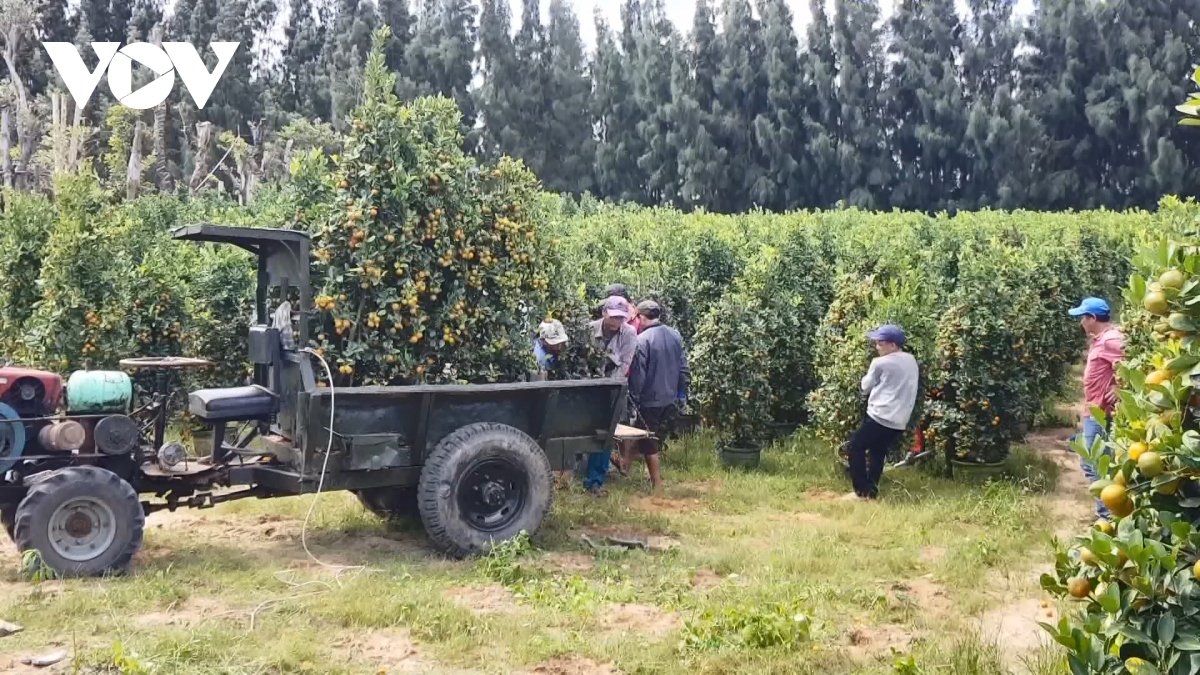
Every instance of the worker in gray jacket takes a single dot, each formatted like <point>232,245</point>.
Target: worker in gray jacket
<point>891,386</point>
<point>658,379</point>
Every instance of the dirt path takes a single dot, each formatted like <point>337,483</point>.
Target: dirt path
<point>1014,626</point>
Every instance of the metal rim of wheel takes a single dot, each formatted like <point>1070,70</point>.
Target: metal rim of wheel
<point>82,528</point>
<point>492,493</point>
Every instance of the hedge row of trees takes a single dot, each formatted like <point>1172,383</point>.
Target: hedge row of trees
<point>930,109</point>
<point>775,309</point>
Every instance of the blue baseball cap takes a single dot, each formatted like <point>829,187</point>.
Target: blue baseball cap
<point>1093,306</point>
<point>888,333</point>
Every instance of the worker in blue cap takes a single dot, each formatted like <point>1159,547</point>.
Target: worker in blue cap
<point>1105,349</point>
<point>891,389</point>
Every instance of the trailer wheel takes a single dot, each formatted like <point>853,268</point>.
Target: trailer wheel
<point>388,502</point>
<point>83,520</point>
<point>482,484</point>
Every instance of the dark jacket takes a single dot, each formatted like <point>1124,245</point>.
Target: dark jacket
<point>659,372</point>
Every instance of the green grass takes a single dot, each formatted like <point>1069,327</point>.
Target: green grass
<point>762,572</point>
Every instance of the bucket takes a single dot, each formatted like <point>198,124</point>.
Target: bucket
<point>744,457</point>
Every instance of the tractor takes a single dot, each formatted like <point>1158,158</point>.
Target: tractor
<point>83,463</point>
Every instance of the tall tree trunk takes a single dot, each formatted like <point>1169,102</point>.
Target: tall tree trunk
<point>58,131</point>
<point>204,138</point>
<point>252,173</point>
<point>76,138</point>
<point>10,60</point>
<point>162,171</point>
<point>6,146</point>
<point>24,142</point>
<point>134,177</point>
<point>163,179</point>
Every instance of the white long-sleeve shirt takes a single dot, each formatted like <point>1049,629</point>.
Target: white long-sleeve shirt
<point>891,382</point>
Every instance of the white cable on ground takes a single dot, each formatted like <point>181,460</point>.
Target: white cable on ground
<point>321,481</point>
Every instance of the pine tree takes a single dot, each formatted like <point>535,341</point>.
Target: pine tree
<point>1131,98</point>
<point>144,16</point>
<point>107,20</point>
<point>821,110</point>
<point>616,116</point>
<point>497,96</point>
<point>925,105</point>
<point>568,128</point>
<point>656,46</point>
<point>532,97</point>
<point>1003,139</point>
<point>693,81</point>
<point>866,163</point>
<point>1002,136</point>
<point>741,98</point>
<point>779,130</point>
<point>396,16</point>
<point>344,54</point>
<point>240,98</point>
<point>302,82</point>
<point>1064,51</point>
<point>440,58</point>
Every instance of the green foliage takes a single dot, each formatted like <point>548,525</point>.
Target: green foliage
<point>1139,574</point>
<point>730,371</point>
<point>502,564</point>
<point>760,626</point>
<point>34,568</point>
<point>26,225</point>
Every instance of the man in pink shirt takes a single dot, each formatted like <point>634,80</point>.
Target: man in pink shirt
<point>1106,348</point>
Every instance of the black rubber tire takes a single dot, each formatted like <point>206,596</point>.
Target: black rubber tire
<point>389,503</point>
<point>445,468</point>
<point>31,530</point>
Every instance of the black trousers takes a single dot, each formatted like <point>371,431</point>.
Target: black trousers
<point>872,440</point>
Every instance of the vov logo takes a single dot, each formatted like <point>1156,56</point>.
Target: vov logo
<point>118,61</point>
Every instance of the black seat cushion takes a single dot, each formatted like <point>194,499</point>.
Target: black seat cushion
<point>233,403</point>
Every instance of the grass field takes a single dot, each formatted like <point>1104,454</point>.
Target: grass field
<point>938,576</point>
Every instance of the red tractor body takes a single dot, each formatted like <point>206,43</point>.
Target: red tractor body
<point>32,393</point>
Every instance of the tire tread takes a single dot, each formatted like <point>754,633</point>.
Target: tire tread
<point>436,466</point>
<point>43,490</point>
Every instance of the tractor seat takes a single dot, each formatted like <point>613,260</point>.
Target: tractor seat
<point>233,403</point>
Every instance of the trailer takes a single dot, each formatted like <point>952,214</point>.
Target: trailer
<point>83,465</point>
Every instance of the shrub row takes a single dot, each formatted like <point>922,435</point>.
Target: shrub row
<point>983,297</point>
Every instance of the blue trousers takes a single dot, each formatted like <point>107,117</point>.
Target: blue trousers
<point>1092,429</point>
<point>597,470</point>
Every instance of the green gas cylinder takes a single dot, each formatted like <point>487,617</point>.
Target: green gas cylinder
<point>99,391</point>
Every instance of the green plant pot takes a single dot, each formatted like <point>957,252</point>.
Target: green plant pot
<point>978,468</point>
<point>741,457</point>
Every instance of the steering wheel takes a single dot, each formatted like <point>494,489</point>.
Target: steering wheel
<point>165,363</point>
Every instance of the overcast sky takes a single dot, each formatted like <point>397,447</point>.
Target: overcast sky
<point>681,11</point>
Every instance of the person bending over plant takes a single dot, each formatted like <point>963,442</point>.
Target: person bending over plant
<point>891,387</point>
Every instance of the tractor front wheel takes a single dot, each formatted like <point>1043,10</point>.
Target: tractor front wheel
<point>82,520</point>
<point>483,484</point>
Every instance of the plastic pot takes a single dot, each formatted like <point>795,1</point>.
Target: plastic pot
<point>743,457</point>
